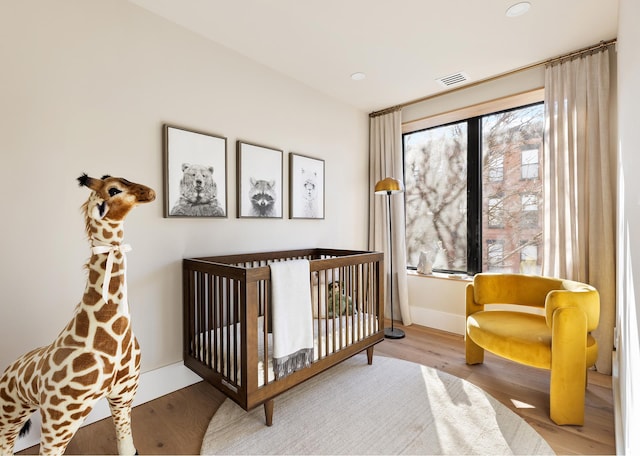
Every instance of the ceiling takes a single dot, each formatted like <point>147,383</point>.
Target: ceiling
<point>402,46</point>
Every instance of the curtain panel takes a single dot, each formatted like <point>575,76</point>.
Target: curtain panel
<point>385,160</point>
<point>579,191</point>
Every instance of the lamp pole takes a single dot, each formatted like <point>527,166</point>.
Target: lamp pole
<point>391,333</point>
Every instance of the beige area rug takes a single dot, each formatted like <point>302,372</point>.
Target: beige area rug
<point>390,407</point>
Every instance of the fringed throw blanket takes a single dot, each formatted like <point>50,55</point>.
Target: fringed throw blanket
<point>292,318</point>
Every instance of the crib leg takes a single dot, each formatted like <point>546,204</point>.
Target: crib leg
<point>268,412</point>
<point>370,355</point>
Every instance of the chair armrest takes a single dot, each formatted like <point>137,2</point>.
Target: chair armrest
<point>586,299</point>
<point>568,365</point>
<point>471,307</point>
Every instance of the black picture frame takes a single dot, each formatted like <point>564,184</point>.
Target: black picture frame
<point>259,181</point>
<point>195,180</point>
<point>306,187</point>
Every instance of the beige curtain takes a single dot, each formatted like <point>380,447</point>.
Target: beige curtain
<point>385,160</point>
<point>579,184</point>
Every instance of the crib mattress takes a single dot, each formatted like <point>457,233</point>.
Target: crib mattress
<point>342,329</point>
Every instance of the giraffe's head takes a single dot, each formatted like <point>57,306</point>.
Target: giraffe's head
<point>112,198</point>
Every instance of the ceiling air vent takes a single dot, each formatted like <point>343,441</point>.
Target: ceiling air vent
<point>453,79</point>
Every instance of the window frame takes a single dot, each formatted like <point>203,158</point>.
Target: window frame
<point>473,116</point>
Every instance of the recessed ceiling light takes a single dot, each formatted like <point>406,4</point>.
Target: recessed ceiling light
<point>518,9</point>
<point>358,76</point>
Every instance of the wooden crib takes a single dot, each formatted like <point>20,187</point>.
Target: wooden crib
<point>226,303</point>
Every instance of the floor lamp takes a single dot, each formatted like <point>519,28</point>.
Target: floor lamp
<point>388,186</point>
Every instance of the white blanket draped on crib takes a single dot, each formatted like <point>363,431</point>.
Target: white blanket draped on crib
<point>291,312</point>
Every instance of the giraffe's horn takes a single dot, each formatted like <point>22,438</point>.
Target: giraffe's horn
<point>83,180</point>
<point>90,182</point>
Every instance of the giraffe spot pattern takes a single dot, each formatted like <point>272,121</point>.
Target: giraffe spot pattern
<point>60,354</point>
<point>54,414</point>
<point>61,425</point>
<point>115,285</point>
<point>94,276</point>
<point>60,375</point>
<point>82,324</point>
<point>104,342</point>
<point>106,312</point>
<point>83,362</point>
<point>87,379</point>
<point>126,342</point>
<point>119,327</point>
<point>73,393</point>
<point>91,297</point>
<point>43,366</point>
<point>70,341</point>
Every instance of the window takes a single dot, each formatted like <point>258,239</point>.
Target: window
<point>474,190</point>
<point>436,159</point>
<point>495,167</point>
<point>529,210</point>
<point>529,258</point>
<point>495,255</point>
<point>495,212</point>
<point>529,164</point>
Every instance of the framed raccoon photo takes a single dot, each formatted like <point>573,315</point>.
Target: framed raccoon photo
<point>306,187</point>
<point>195,181</point>
<point>259,181</point>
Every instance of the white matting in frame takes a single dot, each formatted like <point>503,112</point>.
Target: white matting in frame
<point>195,173</point>
<point>259,181</point>
<point>306,187</point>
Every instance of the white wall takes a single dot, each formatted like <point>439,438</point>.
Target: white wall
<point>627,357</point>
<point>85,87</point>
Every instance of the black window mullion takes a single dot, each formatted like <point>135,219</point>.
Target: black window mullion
<point>474,195</point>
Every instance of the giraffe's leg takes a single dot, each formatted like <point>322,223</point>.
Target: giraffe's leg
<point>121,414</point>
<point>60,424</point>
<point>11,424</point>
<point>120,400</point>
<point>17,398</point>
<point>14,412</point>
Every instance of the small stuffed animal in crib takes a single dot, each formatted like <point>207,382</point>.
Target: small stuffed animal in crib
<point>343,304</point>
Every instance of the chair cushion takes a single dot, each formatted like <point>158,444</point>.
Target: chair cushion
<point>518,336</point>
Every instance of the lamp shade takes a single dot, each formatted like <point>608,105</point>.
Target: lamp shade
<point>388,185</point>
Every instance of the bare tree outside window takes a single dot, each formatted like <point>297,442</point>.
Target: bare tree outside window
<point>436,185</point>
<point>436,195</point>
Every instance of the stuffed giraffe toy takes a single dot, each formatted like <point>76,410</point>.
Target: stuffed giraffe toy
<point>96,355</point>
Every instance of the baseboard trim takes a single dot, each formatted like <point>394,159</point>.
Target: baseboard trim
<point>617,404</point>
<point>439,320</point>
<point>153,384</point>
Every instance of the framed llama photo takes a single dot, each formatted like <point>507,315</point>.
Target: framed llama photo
<point>306,187</point>
<point>195,181</point>
<point>259,181</point>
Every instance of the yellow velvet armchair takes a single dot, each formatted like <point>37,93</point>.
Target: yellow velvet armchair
<point>559,340</point>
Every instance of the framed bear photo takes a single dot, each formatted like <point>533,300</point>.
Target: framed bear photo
<point>195,181</point>
<point>306,187</point>
<point>259,181</point>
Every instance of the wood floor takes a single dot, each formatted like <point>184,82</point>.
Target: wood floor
<point>176,423</point>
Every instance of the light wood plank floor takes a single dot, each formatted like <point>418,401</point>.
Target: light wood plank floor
<point>176,423</point>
